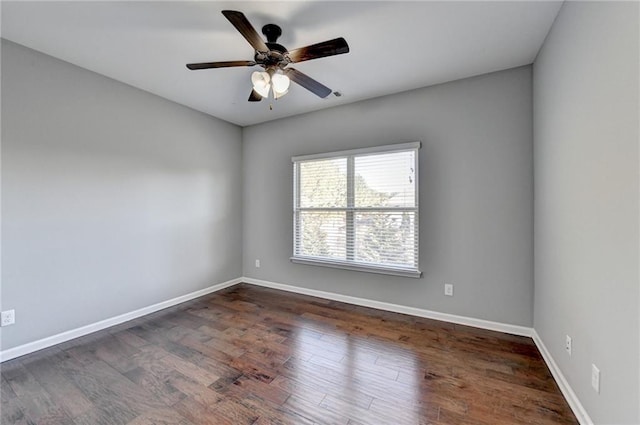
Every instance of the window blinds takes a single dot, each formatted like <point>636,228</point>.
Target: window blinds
<point>358,209</point>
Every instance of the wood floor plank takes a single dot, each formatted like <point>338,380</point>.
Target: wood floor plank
<point>272,414</point>
<point>310,391</point>
<point>317,413</point>
<point>130,339</point>
<point>199,414</point>
<point>61,390</point>
<point>257,356</point>
<point>13,412</point>
<point>264,391</point>
<point>37,402</point>
<point>390,414</point>
<point>159,419</point>
<point>6,392</point>
<point>194,390</point>
<point>192,370</point>
<point>160,388</point>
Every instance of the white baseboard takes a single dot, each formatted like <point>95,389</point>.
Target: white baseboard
<point>412,311</point>
<point>571,397</point>
<point>31,347</point>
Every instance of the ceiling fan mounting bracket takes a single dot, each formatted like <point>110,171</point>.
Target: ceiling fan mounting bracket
<point>272,32</point>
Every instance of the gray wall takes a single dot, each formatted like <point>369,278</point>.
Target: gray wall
<point>113,199</point>
<point>586,203</point>
<point>476,194</point>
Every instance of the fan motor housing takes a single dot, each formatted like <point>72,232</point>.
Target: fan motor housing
<point>275,57</point>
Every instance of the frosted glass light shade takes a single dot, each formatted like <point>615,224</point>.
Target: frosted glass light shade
<point>280,83</point>
<point>261,83</point>
<point>277,95</point>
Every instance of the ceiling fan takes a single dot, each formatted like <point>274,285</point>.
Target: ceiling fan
<point>275,58</point>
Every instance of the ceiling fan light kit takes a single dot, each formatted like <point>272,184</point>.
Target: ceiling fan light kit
<point>275,58</point>
<point>274,80</point>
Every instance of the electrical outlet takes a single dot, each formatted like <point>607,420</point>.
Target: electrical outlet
<point>448,289</point>
<point>567,345</point>
<point>257,264</point>
<point>595,378</point>
<point>8,318</point>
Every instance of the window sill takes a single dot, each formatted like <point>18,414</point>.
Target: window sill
<point>416,274</point>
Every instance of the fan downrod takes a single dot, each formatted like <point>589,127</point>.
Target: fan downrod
<point>276,54</point>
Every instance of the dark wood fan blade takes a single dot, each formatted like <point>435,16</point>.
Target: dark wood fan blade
<point>307,82</point>
<point>245,28</point>
<point>333,47</point>
<point>255,96</point>
<point>227,64</point>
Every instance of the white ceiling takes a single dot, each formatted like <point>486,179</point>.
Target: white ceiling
<point>395,46</point>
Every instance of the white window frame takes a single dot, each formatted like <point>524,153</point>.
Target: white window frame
<point>413,272</point>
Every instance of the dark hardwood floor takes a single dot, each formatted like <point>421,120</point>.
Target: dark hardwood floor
<point>249,355</point>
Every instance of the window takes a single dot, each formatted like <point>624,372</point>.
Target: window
<point>358,209</point>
